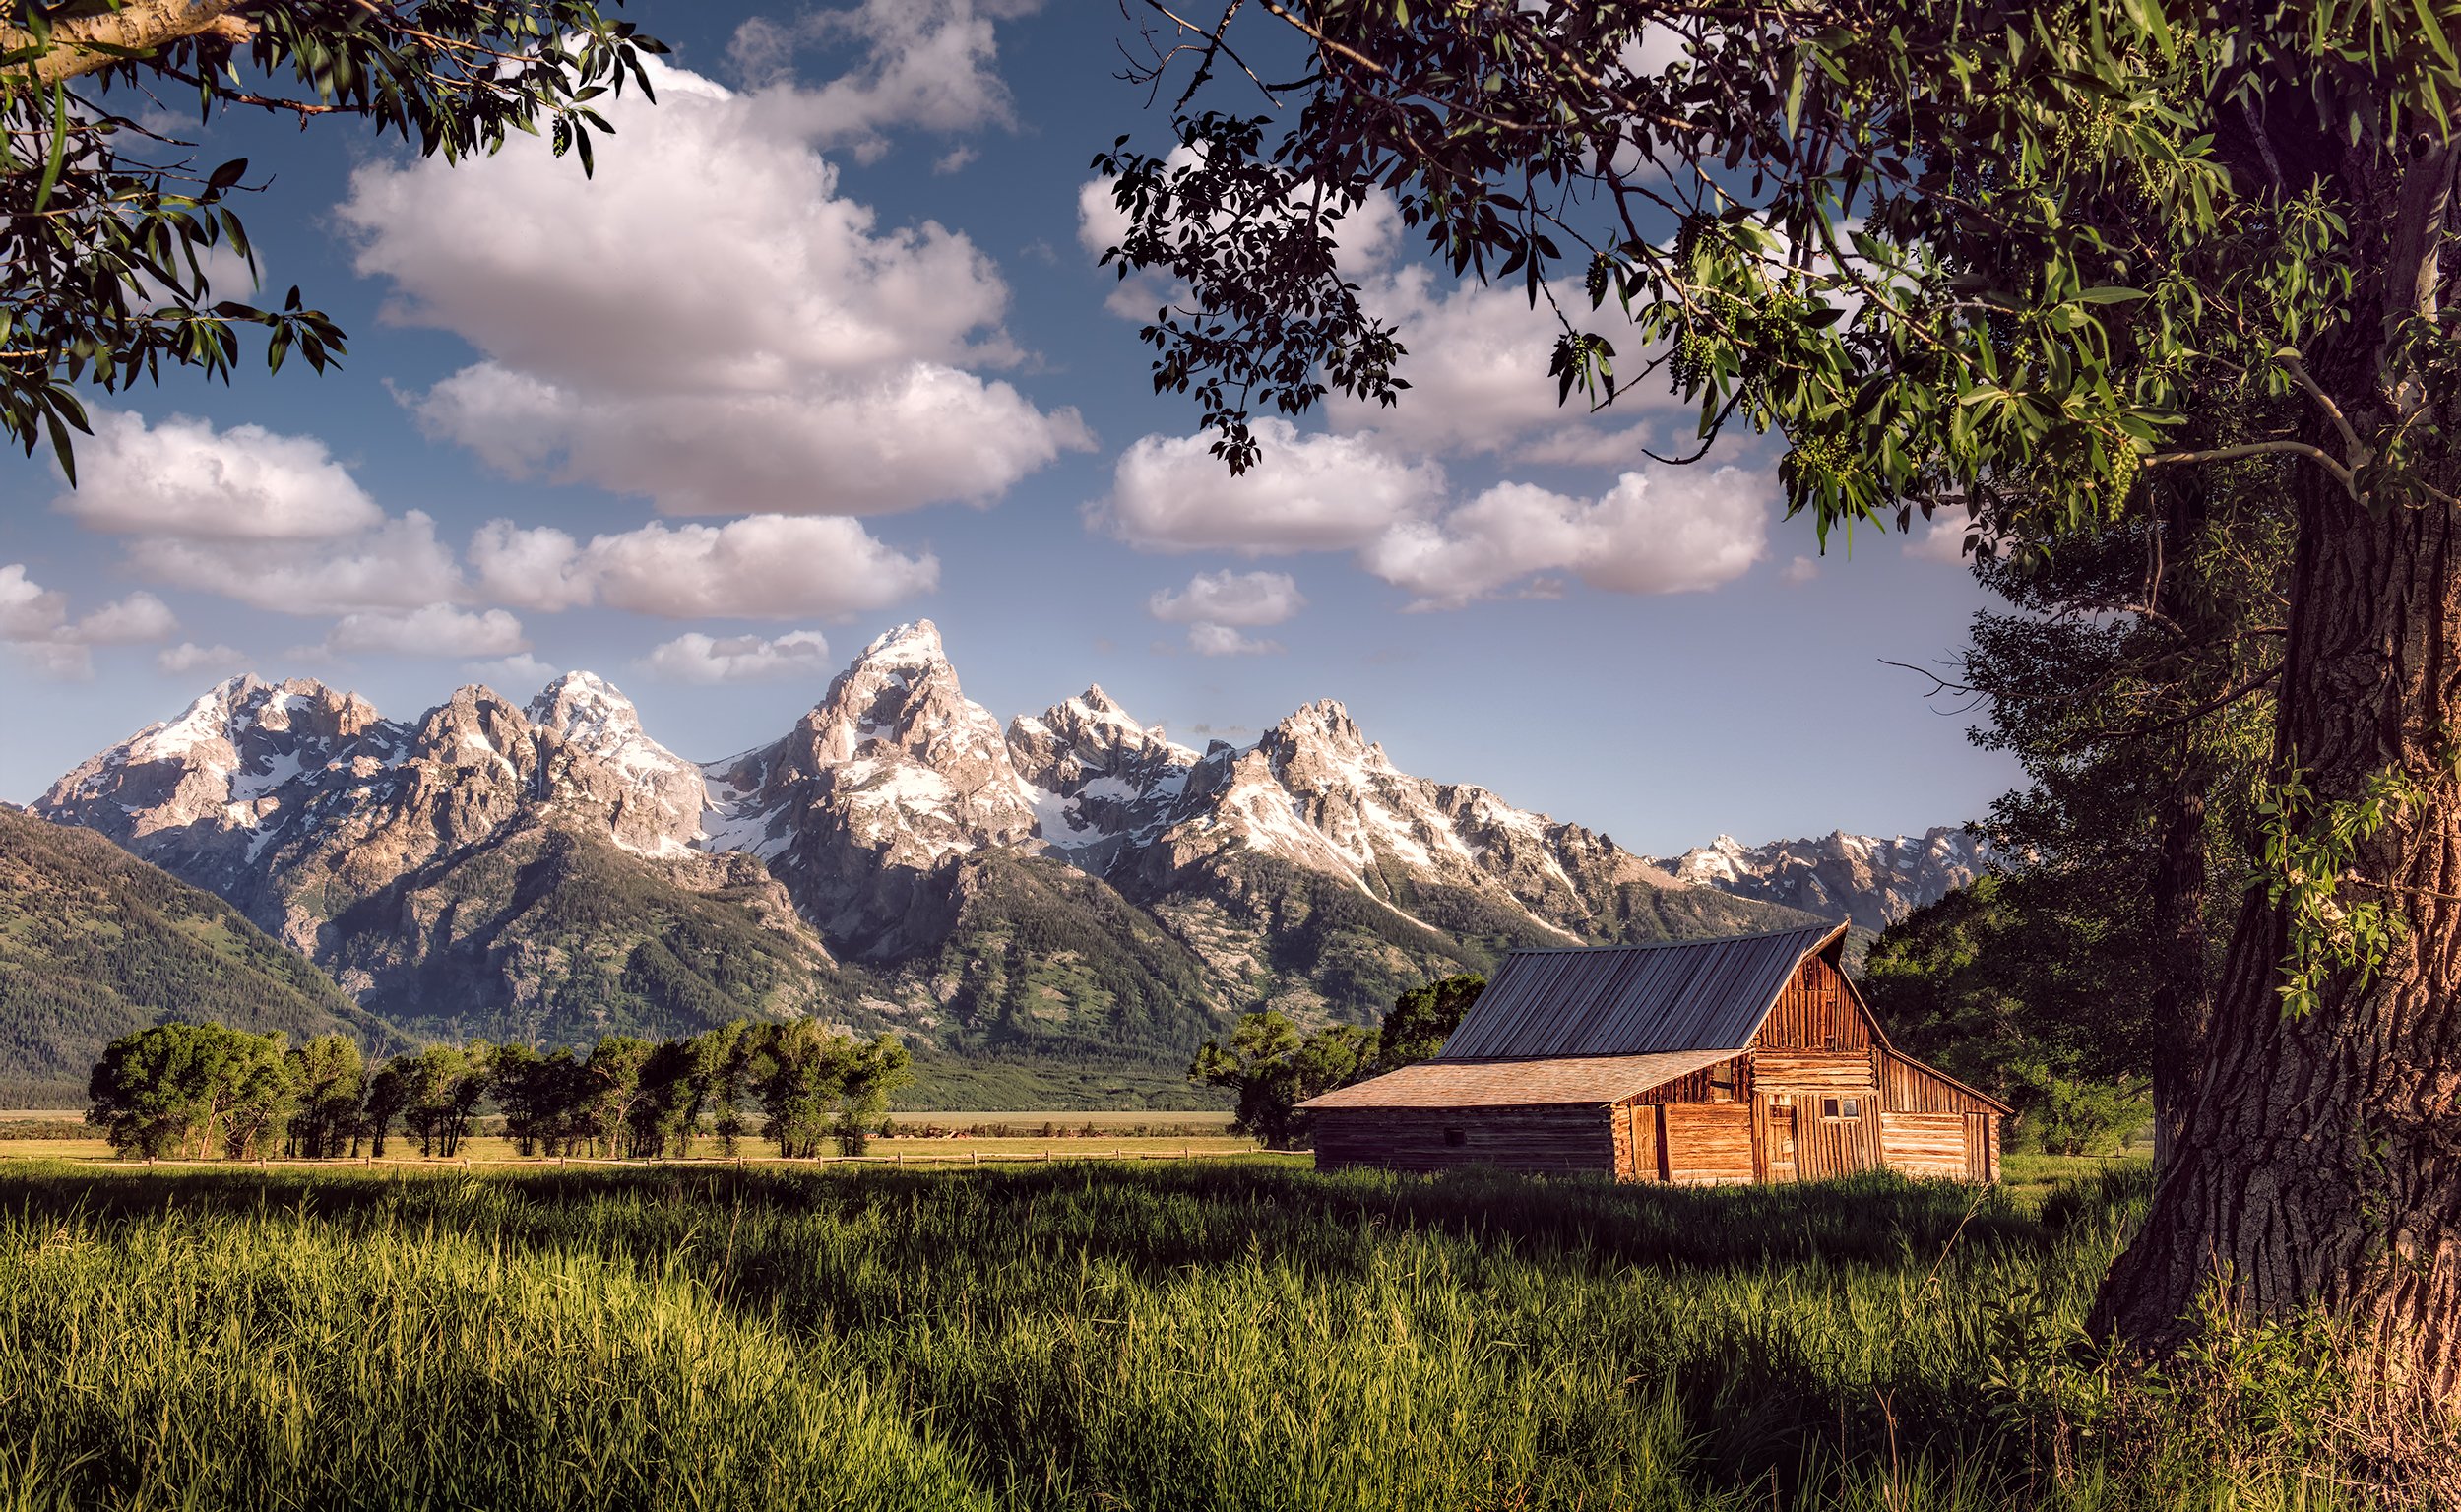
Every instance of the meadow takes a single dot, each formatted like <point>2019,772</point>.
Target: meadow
<point>1078,1335</point>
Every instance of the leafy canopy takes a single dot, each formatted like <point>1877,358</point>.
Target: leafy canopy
<point>1994,256</point>
<point>110,225</point>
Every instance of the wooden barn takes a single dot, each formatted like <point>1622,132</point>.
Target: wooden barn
<point>1700,1061</point>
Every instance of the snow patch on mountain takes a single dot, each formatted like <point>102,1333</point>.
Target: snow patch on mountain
<point>1871,881</point>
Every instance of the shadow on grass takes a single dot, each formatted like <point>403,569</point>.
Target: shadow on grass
<point>1187,1213</point>
<point>892,1250</point>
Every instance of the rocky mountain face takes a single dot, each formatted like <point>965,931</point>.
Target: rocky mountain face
<point>1075,883</point>
<point>1858,879</point>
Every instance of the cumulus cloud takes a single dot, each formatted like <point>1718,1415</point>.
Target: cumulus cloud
<point>1669,532</point>
<point>140,619</point>
<point>1309,494</point>
<point>698,658</point>
<point>400,565</point>
<point>1800,571</point>
<point>1478,374</point>
<point>931,64</point>
<point>764,567</point>
<point>1224,641</point>
<point>27,609</point>
<point>184,477</point>
<point>431,630</point>
<point>1217,605</point>
<point>1225,597</point>
<point>35,625</point>
<point>521,671</point>
<point>189,656</point>
<point>1941,538</point>
<point>707,322</point>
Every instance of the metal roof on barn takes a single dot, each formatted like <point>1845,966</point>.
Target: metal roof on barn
<point>1684,996</point>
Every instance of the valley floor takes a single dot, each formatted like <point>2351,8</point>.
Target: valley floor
<point>1226,1334</point>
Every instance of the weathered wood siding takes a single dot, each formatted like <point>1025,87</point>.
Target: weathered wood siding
<point>1560,1140</point>
<point>1729,1081</point>
<point>1816,1011</point>
<point>1908,1088</point>
<point>1708,1142</point>
<point>1835,1147</point>
<point>1804,1070</point>
<point>1925,1144</point>
<point>1981,1146</point>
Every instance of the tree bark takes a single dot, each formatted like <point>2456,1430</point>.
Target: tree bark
<point>140,26</point>
<point>2182,997</point>
<point>2322,1163</point>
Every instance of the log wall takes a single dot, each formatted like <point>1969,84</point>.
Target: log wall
<point>1708,1144</point>
<point>1562,1141</point>
<point>1925,1144</point>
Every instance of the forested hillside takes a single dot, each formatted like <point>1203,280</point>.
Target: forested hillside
<point>95,943</point>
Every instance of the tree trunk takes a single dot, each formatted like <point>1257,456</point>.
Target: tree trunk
<point>2182,997</point>
<point>2320,1165</point>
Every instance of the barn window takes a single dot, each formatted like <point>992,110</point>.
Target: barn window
<point>1456,1137</point>
<point>1841,1107</point>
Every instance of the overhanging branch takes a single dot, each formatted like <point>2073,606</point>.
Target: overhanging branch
<point>88,44</point>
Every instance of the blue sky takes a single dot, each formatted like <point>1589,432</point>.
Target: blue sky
<point>824,349</point>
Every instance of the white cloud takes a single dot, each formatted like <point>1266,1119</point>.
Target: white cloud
<point>1941,538</point>
<point>517,672</point>
<point>1245,599</point>
<point>35,625</point>
<point>928,63</point>
<point>140,619</point>
<point>697,657</point>
<point>1308,493</point>
<point>1800,571</point>
<point>184,477</point>
<point>433,630</point>
<point>189,656</point>
<point>27,609</point>
<point>401,565</point>
<point>707,321</point>
<point>1667,531</point>
<point>1224,641</point>
<point>764,567</point>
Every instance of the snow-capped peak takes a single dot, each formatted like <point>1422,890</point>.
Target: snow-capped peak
<point>916,645</point>
<point>587,709</point>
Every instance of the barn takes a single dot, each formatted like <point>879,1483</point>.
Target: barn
<point>1750,1059</point>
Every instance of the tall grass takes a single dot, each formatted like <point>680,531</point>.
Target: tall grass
<point>1073,1337</point>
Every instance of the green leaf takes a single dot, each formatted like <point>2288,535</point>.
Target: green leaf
<point>2433,32</point>
<point>2109,293</point>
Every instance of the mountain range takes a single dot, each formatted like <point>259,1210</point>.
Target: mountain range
<point>1073,888</point>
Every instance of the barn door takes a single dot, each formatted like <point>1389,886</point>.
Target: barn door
<point>1779,1141</point>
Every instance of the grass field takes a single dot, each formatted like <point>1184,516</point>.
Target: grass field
<point>1088,1335</point>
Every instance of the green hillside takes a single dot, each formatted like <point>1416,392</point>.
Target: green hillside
<point>547,936</point>
<point>95,943</point>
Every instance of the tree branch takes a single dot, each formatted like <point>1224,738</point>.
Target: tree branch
<point>2315,454</point>
<point>138,25</point>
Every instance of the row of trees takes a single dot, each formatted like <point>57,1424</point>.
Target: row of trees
<point>1272,1068</point>
<point>192,1088</point>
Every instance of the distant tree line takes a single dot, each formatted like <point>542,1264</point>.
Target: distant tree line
<point>1272,1067</point>
<point>193,1089</point>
